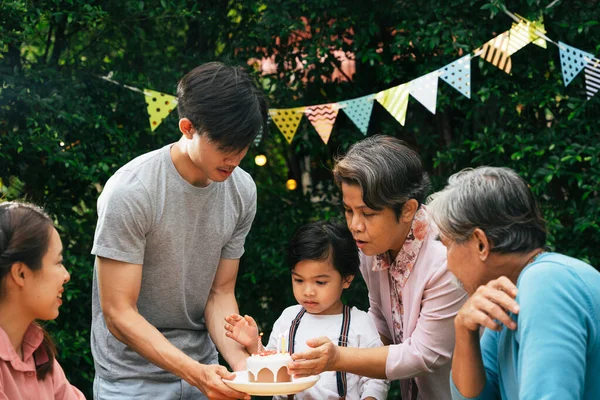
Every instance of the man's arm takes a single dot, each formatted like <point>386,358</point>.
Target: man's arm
<point>221,303</point>
<point>119,286</point>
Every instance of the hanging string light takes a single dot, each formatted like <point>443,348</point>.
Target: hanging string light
<point>291,184</point>
<point>260,160</point>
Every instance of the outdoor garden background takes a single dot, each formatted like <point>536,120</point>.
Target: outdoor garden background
<point>64,131</point>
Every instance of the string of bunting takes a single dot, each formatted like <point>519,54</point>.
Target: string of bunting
<point>497,51</point>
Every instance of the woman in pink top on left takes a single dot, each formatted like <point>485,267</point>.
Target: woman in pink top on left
<point>31,287</point>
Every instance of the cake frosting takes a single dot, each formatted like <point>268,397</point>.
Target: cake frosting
<point>268,367</point>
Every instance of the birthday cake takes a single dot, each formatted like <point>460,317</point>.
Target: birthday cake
<point>268,366</point>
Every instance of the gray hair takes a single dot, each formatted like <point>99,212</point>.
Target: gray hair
<point>495,200</point>
<point>387,171</point>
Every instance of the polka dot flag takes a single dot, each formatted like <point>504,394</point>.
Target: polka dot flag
<point>287,120</point>
<point>160,106</point>
<point>359,111</point>
<point>458,75</point>
<point>572,61</point>
<point>424,89</point>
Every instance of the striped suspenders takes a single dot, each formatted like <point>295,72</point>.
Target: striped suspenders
<point>342,342</point>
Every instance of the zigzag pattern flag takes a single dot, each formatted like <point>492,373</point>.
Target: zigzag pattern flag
<point>159,107</point>
<point>287,120</point>
<point>424,89</point>
<point>395,100</point>
<point>496,52</point>
<point>359,111</point>
<point>322,117</point>
<point>572,61</point>
<point>458,75</point>
<point>592,77</point>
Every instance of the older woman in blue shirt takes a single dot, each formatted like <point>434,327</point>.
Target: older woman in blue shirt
<point>541,310</point>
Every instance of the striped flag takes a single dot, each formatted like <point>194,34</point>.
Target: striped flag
<point>592,77</point>
<point>496,52</point>
<point>523,33</point>
<point>322,117</point>
<point>395,100</point>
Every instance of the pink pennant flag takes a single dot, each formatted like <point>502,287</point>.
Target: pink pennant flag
<point>322,117</point>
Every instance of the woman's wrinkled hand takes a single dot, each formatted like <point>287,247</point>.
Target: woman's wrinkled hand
<point>489,306</point>
<point>322,356</point>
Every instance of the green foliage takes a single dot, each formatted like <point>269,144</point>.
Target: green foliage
<point>64,131</point>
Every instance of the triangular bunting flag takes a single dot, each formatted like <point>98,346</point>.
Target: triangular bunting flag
<point>539,27</point>
<point>359,111</point>
<point>523,33</point>
<point>496,52</point>
<point>458,75</point>
<point>322,117</point>
<point>287,120</point>
<point>424,89</point>
<point>526,32</point>
<point>395,100</point>
<point>592,77</point>
<point>572,61</point>
<point>160,106</point>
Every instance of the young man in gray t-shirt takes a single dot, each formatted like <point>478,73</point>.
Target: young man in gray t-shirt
<point>171,230</point>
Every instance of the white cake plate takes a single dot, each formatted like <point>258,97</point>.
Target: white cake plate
<point>242,384</point>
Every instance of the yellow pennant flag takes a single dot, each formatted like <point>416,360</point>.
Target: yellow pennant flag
<point>395,100</point>
<point>496,52</point>
<point>322,117</point>
<point>287,120</point>
<point>539,26</point>
<point>160,106</point>
<point>523,33</point>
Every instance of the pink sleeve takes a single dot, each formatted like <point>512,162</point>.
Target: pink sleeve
<point>63,390</point>
<point>2,394</point>
<point>432,342</point>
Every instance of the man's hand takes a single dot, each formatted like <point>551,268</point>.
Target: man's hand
<point>322,357</point>
<point>243,330</point>
<point>490,303</point>
<point>209,379</point>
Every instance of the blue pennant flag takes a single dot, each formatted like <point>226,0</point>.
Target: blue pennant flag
<point>458,75</point>
<point>573,61</point>
<point>359,111</point>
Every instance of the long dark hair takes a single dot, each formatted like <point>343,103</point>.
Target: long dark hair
<point>24,237</point>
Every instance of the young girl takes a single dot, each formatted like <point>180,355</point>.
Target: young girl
<point>323,260</point>
<point>31,286</point>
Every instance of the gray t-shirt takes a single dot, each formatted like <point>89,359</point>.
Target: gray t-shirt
<point>149,215</point>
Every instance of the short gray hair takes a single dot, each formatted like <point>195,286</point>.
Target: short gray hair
<point>495,200</point>
<point>388,172</point>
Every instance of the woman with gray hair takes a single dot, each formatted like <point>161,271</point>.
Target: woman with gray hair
<point>412,299</point>
<point>495,237</point>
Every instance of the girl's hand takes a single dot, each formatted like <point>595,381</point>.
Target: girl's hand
<point>243,330</point>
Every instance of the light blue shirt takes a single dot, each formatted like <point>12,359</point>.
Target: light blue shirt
<point>555,351</point>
